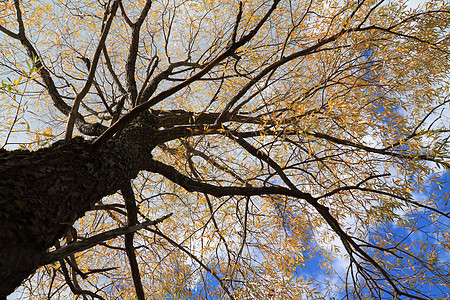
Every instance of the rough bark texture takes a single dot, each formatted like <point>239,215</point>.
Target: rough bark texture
<point>43,192</point>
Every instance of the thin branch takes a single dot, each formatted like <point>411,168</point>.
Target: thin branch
<point>124,14</point>
<point>208,201</point>
<point>90,78</point>
<point>72,248</point>
<point>111,71</point>
<point>76,290</point>
<point>100,93</point>
<point>236,24</point>
<point>357,186</point>
<point>383,151</point>
<point>193,257</point>
<point>9,32</point>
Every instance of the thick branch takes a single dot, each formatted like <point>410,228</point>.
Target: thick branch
<point>130,66</point>
<point>132,210</point>
<point>192,185</point>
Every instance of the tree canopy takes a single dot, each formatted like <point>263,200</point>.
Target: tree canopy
<point>224,150</point>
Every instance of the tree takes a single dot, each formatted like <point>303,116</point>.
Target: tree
<point>220,147</point>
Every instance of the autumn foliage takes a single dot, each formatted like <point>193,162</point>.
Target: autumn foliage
<point>225,149</point>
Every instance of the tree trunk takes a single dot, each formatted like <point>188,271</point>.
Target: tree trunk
<point>43,192</point>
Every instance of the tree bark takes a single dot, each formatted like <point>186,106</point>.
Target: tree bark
<point>43,192</point>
